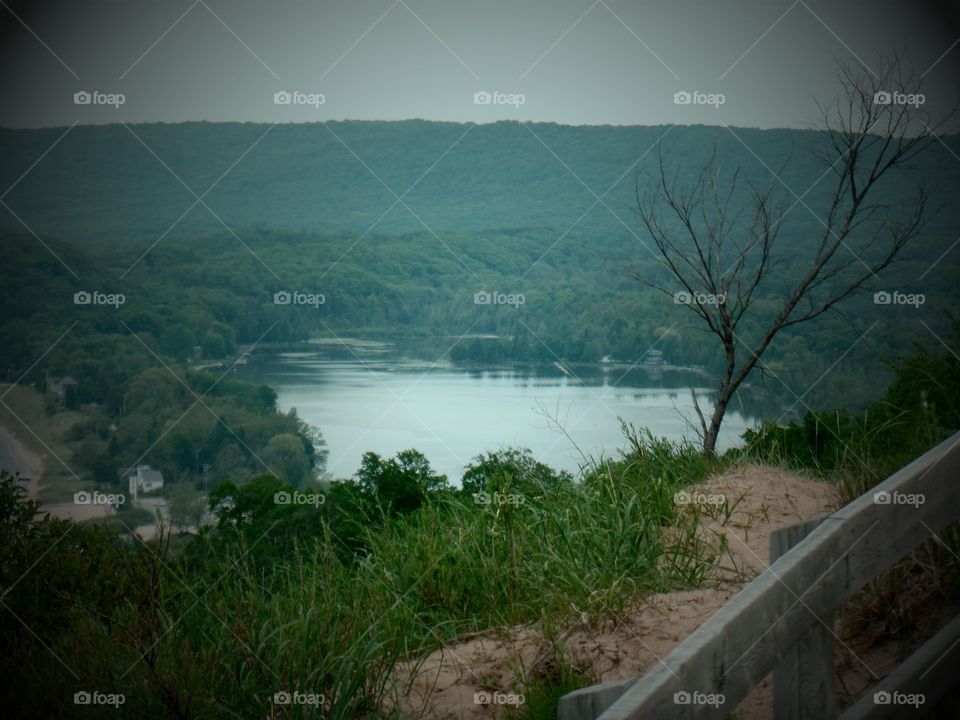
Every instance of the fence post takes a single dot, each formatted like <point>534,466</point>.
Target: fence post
<point>589,703</point>
<point>805,679</point>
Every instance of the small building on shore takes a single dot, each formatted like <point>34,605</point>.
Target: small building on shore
<point>653,357</point>
<point>144,479</point>
<point>64,388</point>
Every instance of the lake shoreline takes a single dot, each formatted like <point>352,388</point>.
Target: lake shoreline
<point>373,396</point>
<point>364,339</point>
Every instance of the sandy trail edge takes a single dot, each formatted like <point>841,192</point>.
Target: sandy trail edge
<point>446,681</point>
<point>18,458</point>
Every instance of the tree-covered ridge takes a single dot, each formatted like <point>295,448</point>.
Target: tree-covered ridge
<point>580,306</point>
<point>175,419</point>
<point>103,184</point>
<point>541,209</point>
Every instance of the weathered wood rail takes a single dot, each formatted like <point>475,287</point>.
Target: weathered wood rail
<point>782,622</point>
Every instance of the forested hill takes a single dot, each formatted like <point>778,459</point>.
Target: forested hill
<point>133,183</point>
<point>399,224</point>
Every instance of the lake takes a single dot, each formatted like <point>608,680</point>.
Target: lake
<point>375,395</point>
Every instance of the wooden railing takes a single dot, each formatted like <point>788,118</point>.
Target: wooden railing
<point>782,622</point>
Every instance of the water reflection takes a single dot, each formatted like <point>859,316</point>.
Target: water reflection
<point>382,396</point>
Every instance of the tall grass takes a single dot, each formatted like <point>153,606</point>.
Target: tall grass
<point>221,639</point>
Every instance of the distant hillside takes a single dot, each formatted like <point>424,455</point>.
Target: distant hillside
<point>102,182</point>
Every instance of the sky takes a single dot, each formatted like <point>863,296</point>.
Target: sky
<point>752,63</point>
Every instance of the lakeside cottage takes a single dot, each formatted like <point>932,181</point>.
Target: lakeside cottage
<point>653,357</point>
<point>144,479</point>
<point>63,387</point>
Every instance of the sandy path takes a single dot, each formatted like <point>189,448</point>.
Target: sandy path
<point>445,683</point>
<point>18,458</point>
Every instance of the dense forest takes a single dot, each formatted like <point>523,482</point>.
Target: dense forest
<point>305,216</point>
<point>542,210</point>
<point>121,185</point>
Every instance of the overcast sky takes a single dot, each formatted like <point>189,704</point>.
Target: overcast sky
<point>568,61</point>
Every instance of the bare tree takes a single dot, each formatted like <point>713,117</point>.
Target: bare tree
<point>718,238</point>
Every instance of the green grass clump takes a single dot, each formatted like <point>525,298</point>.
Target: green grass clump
<point>543,690</point>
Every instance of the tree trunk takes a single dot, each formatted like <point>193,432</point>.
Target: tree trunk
<point>710,439</point>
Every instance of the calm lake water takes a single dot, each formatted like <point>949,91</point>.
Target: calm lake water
<point>365,395</point>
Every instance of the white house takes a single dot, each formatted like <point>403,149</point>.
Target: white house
<point>144,479</point>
